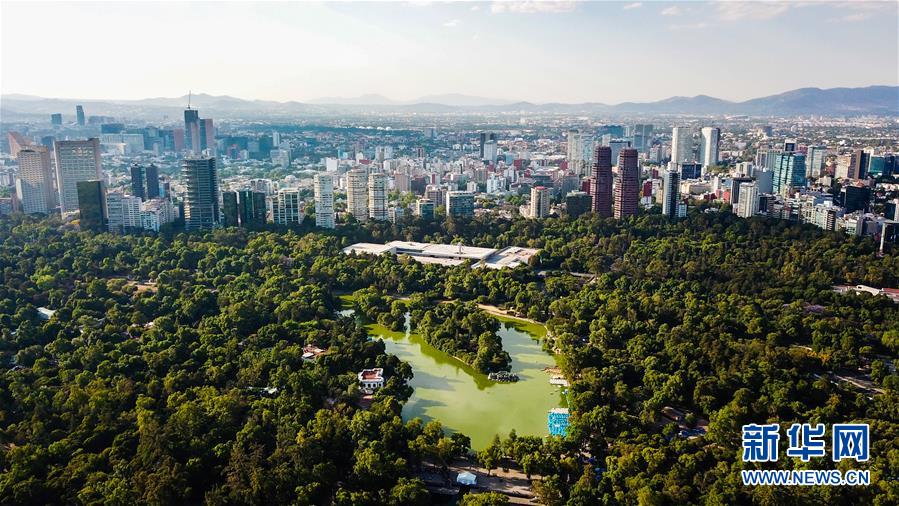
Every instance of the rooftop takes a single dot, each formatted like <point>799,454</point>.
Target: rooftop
<point>449,254</point>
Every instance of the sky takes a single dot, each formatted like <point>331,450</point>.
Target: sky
<point>537,51</point>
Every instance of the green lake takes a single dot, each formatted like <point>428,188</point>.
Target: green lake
<point>463,399</point>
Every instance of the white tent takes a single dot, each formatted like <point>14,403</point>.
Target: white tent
<point>466,478</point>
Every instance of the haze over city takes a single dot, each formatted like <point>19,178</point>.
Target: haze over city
<point>536,51</point>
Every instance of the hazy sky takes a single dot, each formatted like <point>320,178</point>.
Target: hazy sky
<point>538,51</point>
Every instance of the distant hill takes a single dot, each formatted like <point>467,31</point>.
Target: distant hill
<point>879,100</point>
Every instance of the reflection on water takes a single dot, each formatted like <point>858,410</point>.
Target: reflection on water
<point>463,399</point>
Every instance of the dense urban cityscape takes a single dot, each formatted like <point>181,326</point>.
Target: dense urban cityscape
<point>313,297</point>
<point>123,176</point>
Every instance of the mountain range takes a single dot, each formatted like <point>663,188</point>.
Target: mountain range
<point>870,100</point>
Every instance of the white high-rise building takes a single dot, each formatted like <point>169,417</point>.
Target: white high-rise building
<point>539,202</point>
<point>123,212</point>
<point>324,200</point>
<point>357,193</point>
<point>708,150</point>
<point>814,161</point>
<point>75,161</point>
<point>34,184</point>
<point>748,206</point>
<point>377,196</point>
<point>287,207</point>
<point>580,152</point>
<point>681,145</point>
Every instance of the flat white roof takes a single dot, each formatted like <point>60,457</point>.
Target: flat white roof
<point>448,254</point>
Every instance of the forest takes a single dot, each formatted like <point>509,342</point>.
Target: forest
<point>172,372</point>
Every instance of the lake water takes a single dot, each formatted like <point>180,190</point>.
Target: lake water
<point>463,399</point>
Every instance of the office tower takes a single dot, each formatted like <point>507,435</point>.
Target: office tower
<point>323,186</point>
<point>424,208</point>
<point>276,138</point>
<point>708,150</point>
<point>616,146</point>
<point>357,194</point>
<point>539,207</point>
<point>858,164</point>
<point>460,204</point>
<point>490,151</point>
<point>377,196</point>
<point>287,207</point>
<point>575,152</point>
<point>201,196</point>
<point>192,130</point>
<point>690,170</point>
<point>789,145</point>
<point>814,160</point>
<point>855,198</point>
<point>251,209</point>
<point>138,181</point>
<point>229,209</point>
<point>91,197</point>
<point>151,175</point>
<point>207,135</point>
<point>735,185</point>
<point>17,142</point>
<point>75,161</point>
<point>484,137</point>
<point>643,137</point>
<point>602,181</point>
<point>56,119</point>
<point>765,180</point>
<point>789,172</point>
<point>748,205</point>
<point>670,193</point>
<point>79,115</point>
<point>681,145</point>
<point>577,203</point>
<point>34,184</point>
<point>122,212</point>
<point>628,187</point>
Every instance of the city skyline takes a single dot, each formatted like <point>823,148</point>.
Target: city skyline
<point>485,49</point>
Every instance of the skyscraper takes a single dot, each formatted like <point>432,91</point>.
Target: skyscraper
<point>681,145</point>
<point>75,161</point>
<point>580,152</point>
<point>151,174</point>
<point>229,209</point>
<point>251,209</point>
<point>539,202</point>
<point>17,142</point>
<point>91,196</point>
<point>670,193</point>
<point>323,187</point>
<point>56,119</point>
<point>357,194</point>
<point>34,184</point>
<point>789,172</point>
<point>201,196</point>
<point>602,181</point>
<point>748,206</point>
<point>814,161</point>
<point>628,187</point>
<point>192,130</point>
<point>287,207</point>
<point>708,150</point>
<point>207,135</point>
<point>79,115</point>
<point>138,181</point>
<point>377,196</point>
